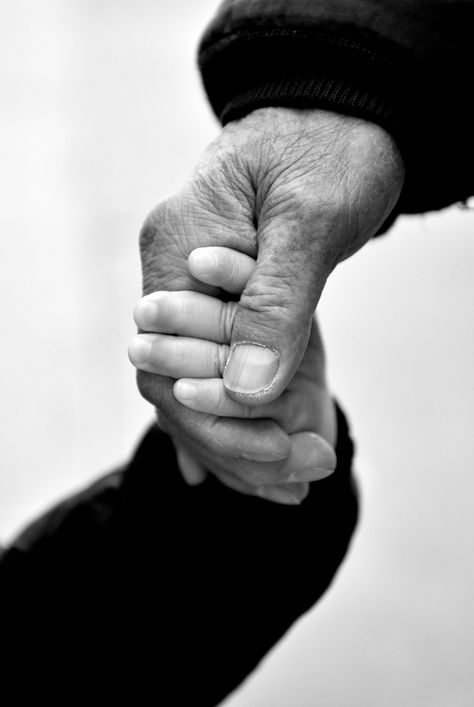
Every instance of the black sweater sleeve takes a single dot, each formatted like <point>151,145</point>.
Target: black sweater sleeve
<point>406,65</point>
<point>145,590</point>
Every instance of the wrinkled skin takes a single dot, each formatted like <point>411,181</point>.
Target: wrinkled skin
<point>300,191</point>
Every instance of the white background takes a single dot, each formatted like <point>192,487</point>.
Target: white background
<point>102,115</point>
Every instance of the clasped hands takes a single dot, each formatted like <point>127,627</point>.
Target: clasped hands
<point>275,203</point>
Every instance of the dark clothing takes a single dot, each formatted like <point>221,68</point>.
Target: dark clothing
<point>142,586</point>
<point>406,65</point>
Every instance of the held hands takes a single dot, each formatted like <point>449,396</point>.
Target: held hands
<point>197,356</point>
<point>299,191</point>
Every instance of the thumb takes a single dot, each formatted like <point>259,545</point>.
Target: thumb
<point>273,319</point>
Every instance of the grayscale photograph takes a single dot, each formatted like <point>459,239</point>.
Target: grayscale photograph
<point>237,379</point>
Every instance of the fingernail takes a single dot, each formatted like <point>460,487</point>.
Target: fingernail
<point>316,466</point>
<point>313,457</point>
<point>250,368</point>
<point>139,351</point>
<point>310,474</point>
<point>203,261</point>
<point>145,313</point>
<point>146,309</point>
<point>277,495</point>
<point>184,390</point>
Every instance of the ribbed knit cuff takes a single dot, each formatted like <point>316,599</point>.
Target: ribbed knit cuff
<point>308,92</point>
<point>348,70</point>
<point>250,70</point>
<point>257,69</point>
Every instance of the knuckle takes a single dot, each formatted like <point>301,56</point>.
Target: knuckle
<point>220,356</point>
<point>227,317</point>
<point>276,313</point>
<point>277,293</point>
<point>264,299</point>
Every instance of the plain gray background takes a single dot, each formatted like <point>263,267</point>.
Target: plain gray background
<point>102,115</point>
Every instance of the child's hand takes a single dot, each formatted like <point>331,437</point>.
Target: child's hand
<point>197,357</point>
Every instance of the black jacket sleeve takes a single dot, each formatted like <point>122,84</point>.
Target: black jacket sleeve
<point>143,590</point>
<point>406,65</point>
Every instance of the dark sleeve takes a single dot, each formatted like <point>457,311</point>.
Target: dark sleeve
<point>403,64</point>
<point>145,589</point>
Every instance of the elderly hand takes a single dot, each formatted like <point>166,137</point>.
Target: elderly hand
<point>297,190</point>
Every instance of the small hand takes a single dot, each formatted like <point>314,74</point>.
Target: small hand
<point>194,331</point>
